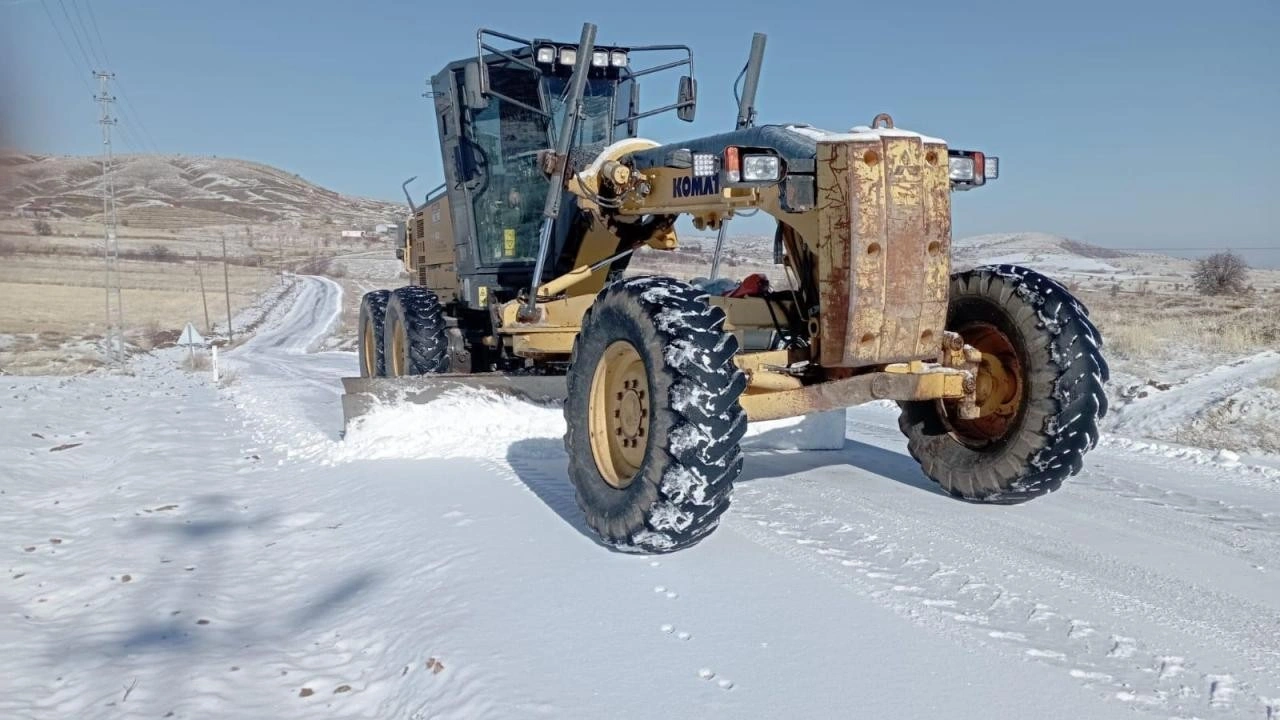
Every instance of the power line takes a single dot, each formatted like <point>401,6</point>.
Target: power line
<point>132,112</point>
<point>142,136</point>
<point>93,20</point>
<point>67,48</point>
<point>87,60</point>
<point>88,40</point>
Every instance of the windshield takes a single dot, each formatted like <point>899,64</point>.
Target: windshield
<point>596,125</point>
<point>511,189</point>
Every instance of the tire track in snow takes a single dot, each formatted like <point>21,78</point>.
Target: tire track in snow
<point>1239,517</point>
<point>881,564</point>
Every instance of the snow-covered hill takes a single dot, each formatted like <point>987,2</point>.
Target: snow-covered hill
<point>177,549</point>
<point>179,191</point>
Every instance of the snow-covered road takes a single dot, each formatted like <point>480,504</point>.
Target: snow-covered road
<point>180,550</point>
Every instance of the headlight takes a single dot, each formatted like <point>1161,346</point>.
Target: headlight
<point>546,54</point>
<point>599,58</point>
<point>960,169</point>
<point>568,56</point>
<point>761,168</point>
<point>704,164</point>
<point>618,59</point>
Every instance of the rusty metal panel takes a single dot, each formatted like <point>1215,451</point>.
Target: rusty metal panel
<point>937,239</point>
<point>884,239</point>
<point>834,237</point>
<point>869,301</point>
<point>887,326</point>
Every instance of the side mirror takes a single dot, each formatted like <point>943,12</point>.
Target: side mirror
<point>473,87</point>
<point>687,101</point>
<point>633,109</point>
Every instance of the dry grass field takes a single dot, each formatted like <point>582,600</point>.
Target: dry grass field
<point>1157,334</point>
<point>52,307</point>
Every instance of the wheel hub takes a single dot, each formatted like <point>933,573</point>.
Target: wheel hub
<point>370,351</point>
<point>619,413</point>
<point>396,364</point>
<point>1000,387</point>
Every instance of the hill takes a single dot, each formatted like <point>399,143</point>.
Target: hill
<point>175,192</point>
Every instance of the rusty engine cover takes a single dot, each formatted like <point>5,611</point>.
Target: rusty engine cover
<point>884,250</point>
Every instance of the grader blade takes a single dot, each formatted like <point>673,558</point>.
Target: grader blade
<point>362,395</point>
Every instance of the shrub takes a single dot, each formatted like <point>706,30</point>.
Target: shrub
<point>42,228</point>
<point>159,253</point>
<point>196,361</point>
<point>1222,273</point>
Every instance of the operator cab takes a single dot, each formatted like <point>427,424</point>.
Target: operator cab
<point>495,114</point>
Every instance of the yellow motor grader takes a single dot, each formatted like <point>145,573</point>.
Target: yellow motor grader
<point>518,264</point>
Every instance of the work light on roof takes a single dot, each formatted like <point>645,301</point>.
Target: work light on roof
<point>546,54</point>
<point>617,58</point>
<point>599,58</point>
<point>568,56</point>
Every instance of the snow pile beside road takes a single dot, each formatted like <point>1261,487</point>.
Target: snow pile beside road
<point>1224,407</point>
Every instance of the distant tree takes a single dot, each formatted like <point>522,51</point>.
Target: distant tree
<point>42,227</point>
<point>1222,273</point>
<point>1115,290</point>
<point>159,253</point>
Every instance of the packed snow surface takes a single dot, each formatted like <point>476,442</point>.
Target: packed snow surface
<point>179,549</point>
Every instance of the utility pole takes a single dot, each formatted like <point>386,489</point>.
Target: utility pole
<point>208,329</point>
<point>110,248</point>
<point>226,288</point>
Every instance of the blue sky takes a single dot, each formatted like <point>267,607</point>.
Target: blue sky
<point>1126,124</point>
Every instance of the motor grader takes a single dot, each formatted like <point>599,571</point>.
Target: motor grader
<point>519,284</point>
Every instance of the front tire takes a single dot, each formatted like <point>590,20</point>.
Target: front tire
<point>369,333</point>
<point>414,333</point>
<point>1041,390</point>
<point>654,422</point>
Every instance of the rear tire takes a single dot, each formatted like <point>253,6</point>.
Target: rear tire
<point>414,333</point>
<point>654,422</point>
<point>369,340</point>
<point>1043,430</point>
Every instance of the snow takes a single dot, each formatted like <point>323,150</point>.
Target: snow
<point>1228,392</point>
<point>177,547</point>
<point>859,133</point>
